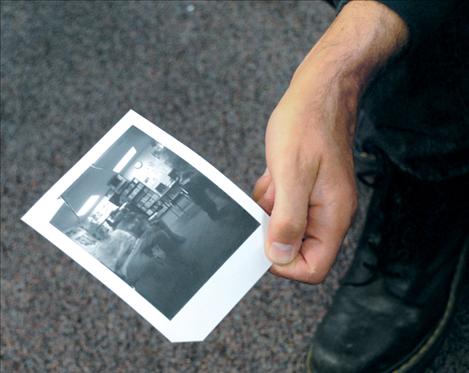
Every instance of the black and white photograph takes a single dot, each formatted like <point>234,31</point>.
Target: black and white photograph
<point>154,220</point>
<point>159,226</point>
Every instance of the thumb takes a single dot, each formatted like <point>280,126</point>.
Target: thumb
<point>289,217</point>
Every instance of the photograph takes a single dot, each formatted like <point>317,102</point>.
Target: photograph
<point>153,219</point>
<point>159,226</point>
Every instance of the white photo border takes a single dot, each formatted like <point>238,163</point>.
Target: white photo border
<point>224,289</point>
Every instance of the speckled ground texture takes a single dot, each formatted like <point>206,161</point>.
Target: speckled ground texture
<point>209,74</point>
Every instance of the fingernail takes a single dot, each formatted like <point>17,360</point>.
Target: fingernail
<point>266,172</point>
<point>281,253</point>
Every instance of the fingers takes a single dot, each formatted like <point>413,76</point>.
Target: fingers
<point>267,200</point>
<point>326,228</point>
<point>313,262</point>
<point>261,185</point>
<point>264,192</point>
<point>289,216</point>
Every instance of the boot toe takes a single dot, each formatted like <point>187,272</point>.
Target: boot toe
<point>325,360</point>
<point>361,336</point>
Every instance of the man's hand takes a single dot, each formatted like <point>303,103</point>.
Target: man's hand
<point>309,184</point>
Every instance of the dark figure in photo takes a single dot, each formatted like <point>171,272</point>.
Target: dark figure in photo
<point>203,194</point>
<point>156,236</point>
<point>152,252</point>
<point>160,225</point>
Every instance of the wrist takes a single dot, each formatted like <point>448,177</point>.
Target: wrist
<point>364,36</point>
<point>316,81</point>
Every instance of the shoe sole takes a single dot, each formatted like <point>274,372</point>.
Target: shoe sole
<point>424,352</point>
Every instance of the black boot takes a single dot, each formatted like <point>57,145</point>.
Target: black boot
<point>396,300</point>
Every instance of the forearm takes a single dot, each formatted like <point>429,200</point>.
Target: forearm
<point>363,37</point>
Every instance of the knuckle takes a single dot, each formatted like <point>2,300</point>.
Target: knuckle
<point>290,227</point>
<point>317,276</point>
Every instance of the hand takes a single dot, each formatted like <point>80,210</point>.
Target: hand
<point>309,184</point>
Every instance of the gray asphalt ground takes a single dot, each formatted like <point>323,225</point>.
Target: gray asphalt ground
<point>209,74</point>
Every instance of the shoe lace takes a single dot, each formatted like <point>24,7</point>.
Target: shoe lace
<point>375,171</point>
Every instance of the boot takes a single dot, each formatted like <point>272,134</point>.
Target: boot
<point>395,302</point>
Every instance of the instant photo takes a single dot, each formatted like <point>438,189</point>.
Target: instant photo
<point>159,226</point>
<point>152,219</point>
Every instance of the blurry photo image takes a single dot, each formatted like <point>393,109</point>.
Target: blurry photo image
<point>154,220</point>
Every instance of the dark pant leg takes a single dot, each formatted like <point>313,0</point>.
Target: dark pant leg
<point>416,109</point>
